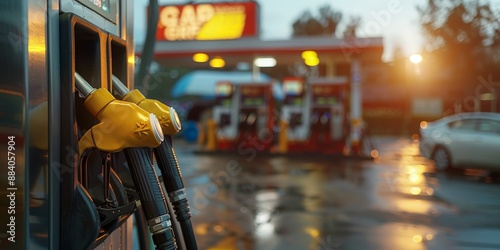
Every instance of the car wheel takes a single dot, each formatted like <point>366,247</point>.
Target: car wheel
<point>442,159</point>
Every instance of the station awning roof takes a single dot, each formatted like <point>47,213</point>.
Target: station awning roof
<point>203,82</point>
<point>285,51</point>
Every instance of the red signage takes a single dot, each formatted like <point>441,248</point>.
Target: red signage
<point>207,21</point>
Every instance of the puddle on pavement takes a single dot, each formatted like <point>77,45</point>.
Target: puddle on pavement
<point>279,203</point>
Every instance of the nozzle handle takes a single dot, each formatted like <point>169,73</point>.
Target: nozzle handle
<point>118,85</point>
<point>83,86</point>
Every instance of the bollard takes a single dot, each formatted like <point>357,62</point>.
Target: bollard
<point>283,143</point>
<point>211,131</point>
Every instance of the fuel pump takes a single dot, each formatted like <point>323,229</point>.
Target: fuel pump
<point>244,114</point>
<point>256,116</point>
<point>165,155</point>
<point>328,117</point>
<point>225,116</point>
<point>138,129</point>
<point>296,113</point>
<point>315,113</point>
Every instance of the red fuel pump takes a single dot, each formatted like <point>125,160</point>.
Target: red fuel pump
<point>244,116</point>
<point>225,116</point>
<point>328,115</point>
<point>315,113</point>
<point>256,116</point>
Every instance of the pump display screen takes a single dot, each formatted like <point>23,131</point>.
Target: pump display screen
<point>106,8</point>
<point>253,96</point>
<point>253,101</point>
<point>326,95</point>
<point>325,100</point>
<point>294,100</point>
<point>101,4</point>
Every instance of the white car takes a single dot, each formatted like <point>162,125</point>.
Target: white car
<point>462,140</point>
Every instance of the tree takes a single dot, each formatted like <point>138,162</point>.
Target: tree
<point>324,24</point>
<point>352,26</point>
<point>465,34</point>
<point>459,23</point>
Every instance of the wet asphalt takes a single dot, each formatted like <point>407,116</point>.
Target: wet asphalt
<point>396,201</point>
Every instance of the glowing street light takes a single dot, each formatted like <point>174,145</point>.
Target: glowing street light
<point>412,75</point>
<point>415,58</point>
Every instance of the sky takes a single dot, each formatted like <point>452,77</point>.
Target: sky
<point>397,21</point>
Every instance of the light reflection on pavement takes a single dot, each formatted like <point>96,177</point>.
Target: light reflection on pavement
<point>394,202</point>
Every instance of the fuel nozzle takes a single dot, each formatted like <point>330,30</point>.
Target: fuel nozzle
<point>122,124</point>
<point>169,120</point>
<point>165,156</point>
<point>126,126</point>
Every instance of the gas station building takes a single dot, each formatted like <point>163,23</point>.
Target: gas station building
<point>225,37</point>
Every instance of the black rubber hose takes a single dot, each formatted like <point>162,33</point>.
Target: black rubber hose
<point>188,234</point>
<point>142,229</point>
<point>179,239</point>
<point>151,196</point>
<point>172,178</point>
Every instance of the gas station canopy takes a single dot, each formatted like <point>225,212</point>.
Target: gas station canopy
<point>331,51</point>
<point>226,35</point>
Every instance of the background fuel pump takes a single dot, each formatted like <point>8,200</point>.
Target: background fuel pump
<point>223,127</point>
<point>315,113</point>
<point>244,116</point>
<point>256,116</point>
<point>328,115</point>
<point>295,111</point>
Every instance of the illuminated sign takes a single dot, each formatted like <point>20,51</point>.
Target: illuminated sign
<point>207,21</point>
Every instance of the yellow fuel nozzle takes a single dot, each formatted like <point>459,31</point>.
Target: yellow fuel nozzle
<point>121,124</point>
<point>169,120</point>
